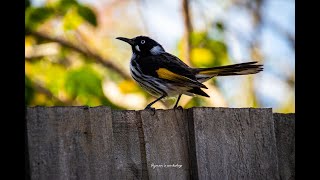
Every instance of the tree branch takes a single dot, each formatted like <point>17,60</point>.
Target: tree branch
<point>187,29</point>
<point>87,53</point>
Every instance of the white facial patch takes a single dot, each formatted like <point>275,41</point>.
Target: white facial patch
<point>137,48</point>
<point>157,50</point>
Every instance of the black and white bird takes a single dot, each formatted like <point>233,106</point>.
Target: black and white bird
<point>164,75</point>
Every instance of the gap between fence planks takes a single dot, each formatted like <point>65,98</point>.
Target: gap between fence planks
<point>197,143</point>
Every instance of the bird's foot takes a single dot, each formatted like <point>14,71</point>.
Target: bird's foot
<point>149,108</point>
<point>177,108</point>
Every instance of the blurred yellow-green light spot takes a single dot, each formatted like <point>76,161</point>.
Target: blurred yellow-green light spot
<point>202,57</point>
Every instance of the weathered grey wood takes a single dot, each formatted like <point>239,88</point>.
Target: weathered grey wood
<point>100,139</point>
<point>208,143</point>
<point>126,144</point>
<point>285,136</point>
<point>166,144</point>
<point>64,143</point>
<point>235,143</point>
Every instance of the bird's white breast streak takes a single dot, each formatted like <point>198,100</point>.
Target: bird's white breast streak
<point>131,67</point>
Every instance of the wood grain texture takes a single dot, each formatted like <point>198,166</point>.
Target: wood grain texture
<point>126,152</point>
<point>197,143</point>
<point>285,135</point>
<point>166,144</point>
<point>235,143</point>
<point>64,143</point>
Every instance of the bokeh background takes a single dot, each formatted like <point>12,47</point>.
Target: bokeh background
<point>73,58</point>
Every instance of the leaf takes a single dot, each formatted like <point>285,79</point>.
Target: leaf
<point>87,14</point>
<point>67,3</point>
<point>35,16</point>
<point>72,20</point>
<point>64,5</point>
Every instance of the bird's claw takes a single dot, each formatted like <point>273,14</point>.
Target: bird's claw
<point>151,109</point>
<point>178,108</point>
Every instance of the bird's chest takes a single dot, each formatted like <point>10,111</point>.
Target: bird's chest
<point>136,69</point>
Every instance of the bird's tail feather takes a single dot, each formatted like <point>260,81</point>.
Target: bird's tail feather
<point>204,74</point>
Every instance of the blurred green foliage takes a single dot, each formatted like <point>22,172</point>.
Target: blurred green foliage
<point>87,14</point>
<point>70,9</point>
<point>207,51</point>
<point>35,16</point>
<point>85,83</point>
<point>81,85</point>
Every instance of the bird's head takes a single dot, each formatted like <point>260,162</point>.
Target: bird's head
<point>143,45</point>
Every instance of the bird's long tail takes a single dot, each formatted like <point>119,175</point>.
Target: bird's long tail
<point>204,74</point>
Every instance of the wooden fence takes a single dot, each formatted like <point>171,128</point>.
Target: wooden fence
<point>198,143</point>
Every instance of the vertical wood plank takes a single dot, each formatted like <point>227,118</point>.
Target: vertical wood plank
<point>100,143</point>
<point>285,136</point>
<point>235,143</point>
<point>166,144</point>
<point>126,145</point>
<point>69,143</point>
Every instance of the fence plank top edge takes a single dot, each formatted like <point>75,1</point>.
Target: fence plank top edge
<point>30,107</point>
<point>161,110</point>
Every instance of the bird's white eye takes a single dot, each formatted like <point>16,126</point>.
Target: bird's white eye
<point>143,41</point>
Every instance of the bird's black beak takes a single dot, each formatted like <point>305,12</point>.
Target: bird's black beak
<point>129,41</point>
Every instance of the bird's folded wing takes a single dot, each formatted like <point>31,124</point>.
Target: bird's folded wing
<point>168,67</point>
<point>164,73</point>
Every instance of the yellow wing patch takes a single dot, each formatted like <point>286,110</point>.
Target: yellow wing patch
<point>166,74</point>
